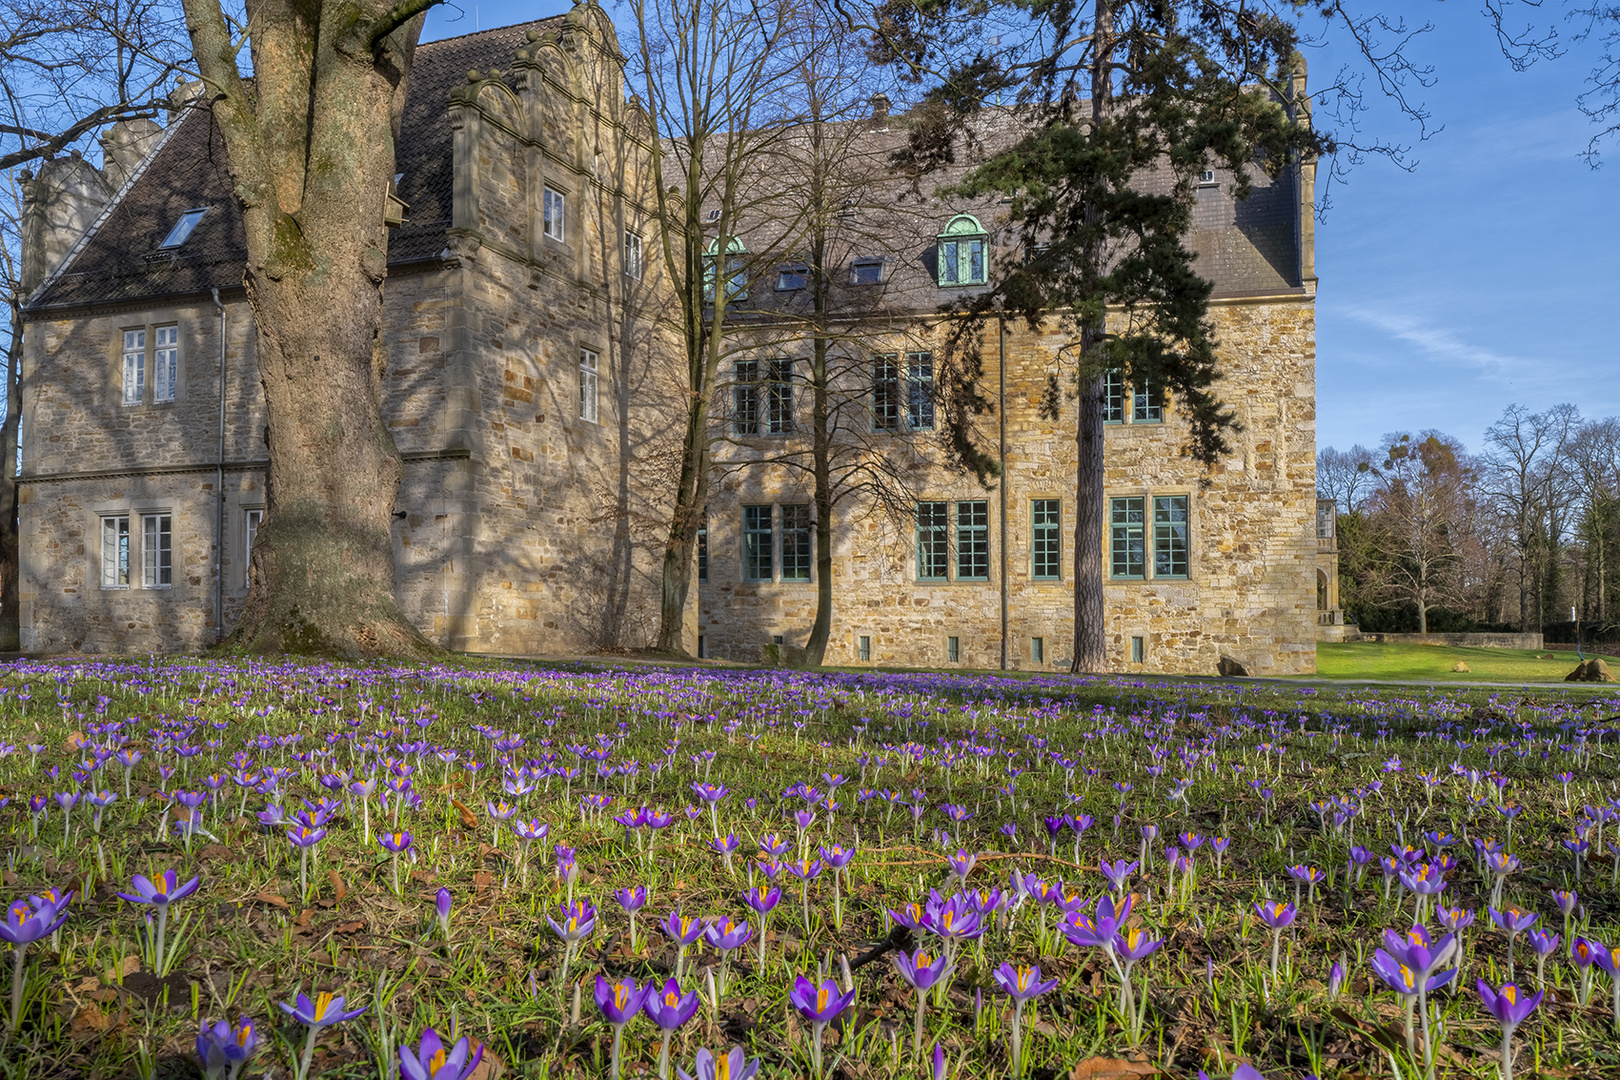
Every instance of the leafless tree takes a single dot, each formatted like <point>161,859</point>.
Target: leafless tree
<point>1345,476</point>
<point>1528,482</point>
<point>1417,515</point>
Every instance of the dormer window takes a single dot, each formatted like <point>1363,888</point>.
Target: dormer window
<point>792,276</point>
<point>866,271</point>
<point>736,270</point>
<point>1206,178</point>
<point>963,258</point>
<point>183,229</point>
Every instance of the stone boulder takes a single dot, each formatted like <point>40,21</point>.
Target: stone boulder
<point>1593,670</point>
<point>1229,668</point>
<point>1461,667</point>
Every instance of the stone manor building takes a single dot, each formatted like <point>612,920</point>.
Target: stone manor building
<point>532,386</point>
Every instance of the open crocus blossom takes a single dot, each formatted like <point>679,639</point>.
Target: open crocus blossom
<point>224,1048</point>
<point>431,1061</point>
<point>733,1065</point>
<point>669,1009</point>
<point>1021,983</point>
<point>323,1012</point>
<point>922,972</point>
<point>1510,1007</point>
<point>27,922</point>
<point>619,1002</point>
<point>820,1006</point>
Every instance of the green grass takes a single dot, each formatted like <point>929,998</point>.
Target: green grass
<point>1369,660</point>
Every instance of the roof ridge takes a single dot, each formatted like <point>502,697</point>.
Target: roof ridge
<point>491,30</point>
<point>101,218</point>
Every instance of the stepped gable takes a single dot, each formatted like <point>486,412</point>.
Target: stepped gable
<point>190,170</point>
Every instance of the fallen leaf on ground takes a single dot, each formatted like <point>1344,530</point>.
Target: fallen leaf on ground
<point>490,1068</point>
<point>126,967</point>
<point>468,818</point>
<point>1101,1068</point>
<point>338,887</point>
<point>90,1021</point>
<point>272,899</point>
<point>349,927</point>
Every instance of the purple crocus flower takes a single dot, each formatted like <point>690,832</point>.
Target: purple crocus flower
<point>632,899</point>
<point>818,1004</point>
<point>621,1000</point>
<point>683,930</point>
<point>1511,1008</point>
<point>324,1011</point>
<point>431,1061</point>
<point>162,891</point>
<point>224,1048</point>
<point>735,1065</point>
<point>1118,873</point>
<point>1022,983</point>
<point>441,909</point>
<point>727,934</point>
<point>669,1009</point>
<point>578,920</point>
<point>920,970</point>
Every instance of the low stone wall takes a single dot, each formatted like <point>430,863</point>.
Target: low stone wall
<point>1472,641</point>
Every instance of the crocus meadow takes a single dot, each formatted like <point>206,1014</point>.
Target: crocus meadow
<point>459,872</point>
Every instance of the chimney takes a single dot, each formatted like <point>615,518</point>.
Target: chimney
<point>124,145</point>
<point>59,206</point>
<point>880,110</point>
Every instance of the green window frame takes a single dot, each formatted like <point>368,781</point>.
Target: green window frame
<point>964,252</point>
<point>1170,536</point>
<point>1045,539</point>
<point>745,398</point>
<point>736,270</point>
<point>1114,397</point>
<point>757,562</point>
<point>1127,557</point>
<point>1147,404</point>
<point>796,543</point>
<point>933,541</point>
<point>973,541</point>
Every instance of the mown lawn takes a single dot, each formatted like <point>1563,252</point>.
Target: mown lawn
<point>989,803</point>
<point>1370,660</point>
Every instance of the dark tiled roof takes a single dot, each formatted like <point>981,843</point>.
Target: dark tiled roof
<point>190,170</point>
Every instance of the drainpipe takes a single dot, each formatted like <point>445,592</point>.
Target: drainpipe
<point>219,489</point>
<point>1001,352</point>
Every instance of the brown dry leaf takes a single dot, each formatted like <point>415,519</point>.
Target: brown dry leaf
<point>1101,1068</point>
<point>304,917</point>
<point>89,1022</point>
<point>272,899</point>
<point>338,887</point>
<point>469,819</point>
<point>349,927</point>
<point>104,996</point>
<point>72,743</point>
<point>490,1067</point>
<point>216,851</point>
<point>482,880</point>
<point>126,967</point>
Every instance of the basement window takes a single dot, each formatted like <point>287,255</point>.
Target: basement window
<point>183,229</point>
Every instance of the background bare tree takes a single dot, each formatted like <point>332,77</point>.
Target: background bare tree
<point>1418,513</point>
<point>1345,476</point>
<point>1529,484</point>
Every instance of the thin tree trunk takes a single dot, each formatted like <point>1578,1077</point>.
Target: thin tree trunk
<point>692,492</point>
<point>10,552</point>
<point>821,450</point>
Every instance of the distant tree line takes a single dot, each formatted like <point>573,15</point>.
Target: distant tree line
<point>1517,537</point>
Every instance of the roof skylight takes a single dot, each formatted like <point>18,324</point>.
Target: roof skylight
<point>183,229</point>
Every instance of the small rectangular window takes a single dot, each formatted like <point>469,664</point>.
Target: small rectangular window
<point>1136,650</point>
<point>792,276</point>
<point>703,553</point>
<point>757,563</point>
<point>587,385</point>
<point>864,647</point>
<point>933,541</point>
<point>134,367</point>
<point>702,652</point>
<point>745,398</point>
<point>866,272</point>
<point>1147,404</point>
<point>183,229</point>
<point>1037,650</point>
<point>953,649</point>
<point>157,552</point>
<point>920,391</point>
<point>796,543</point>
<point>778,639</point>
<point>1170,536</point>
<point>779,398</point>
<point>553,213</point>
<point>633,267</point>
<point>973,541</point>
<point>115,552</point>
<point>1113,397</point>
<point>1126,538</point>
<point>1045,540</point>
<point>250,536</point>
<point>165,362</point>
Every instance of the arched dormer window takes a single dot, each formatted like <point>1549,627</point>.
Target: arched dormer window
<point>736,269</point>
<point>963,247</point>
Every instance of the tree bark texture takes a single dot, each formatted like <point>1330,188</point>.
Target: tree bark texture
<point>312,152</point>
<point>10,538</point>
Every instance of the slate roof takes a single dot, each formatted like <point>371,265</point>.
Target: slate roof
<point>119,262</point>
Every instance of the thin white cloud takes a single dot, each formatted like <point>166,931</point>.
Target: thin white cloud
<point>1448,346</point>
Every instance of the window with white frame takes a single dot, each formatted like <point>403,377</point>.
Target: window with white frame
<point>115,551</point>
<point>1114,397</point>
<point>157,552</point>
<point>633,267</point>
<point>552,211</point>
<point>587,385</point>
<point>1147,404</point>
<point>134,367</point>
<point>165,362</point>
<point>1046,544</point>
<point>252,519</point>
<point>757,527</point>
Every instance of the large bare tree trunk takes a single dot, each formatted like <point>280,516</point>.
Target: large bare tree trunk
<point>1090,631</point>
<point>312,154</point>
<point>10,549</point>
<point>821,467</point>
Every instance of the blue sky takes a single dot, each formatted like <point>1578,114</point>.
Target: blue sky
<point>1487,276</point>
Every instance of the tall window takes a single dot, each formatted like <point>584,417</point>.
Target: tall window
<point>252,519</point>
<point>920,391</point>
<point>933,541</point>
<point>115,552</point>
<point>1045,540</point>
<point>552,208</point>
<point>745,398</point>
<point>779,398</point>
<point>587,385</point>
<point>1114,397</point>
<point>973,541</point>
<point>757,543</point>
<point>1126,539</point>
<point>703,552</point>
<point>1147,404</point>
<point>796,543</point>
<point>157,552</point>
<point>736,270</point>
<point>962,252</point>
<point>885,393</point>
<point>1170,536</point>
<point>165,362</point>
<point>134,366</point>
<point>911,386</point>
<point>633,267</point>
